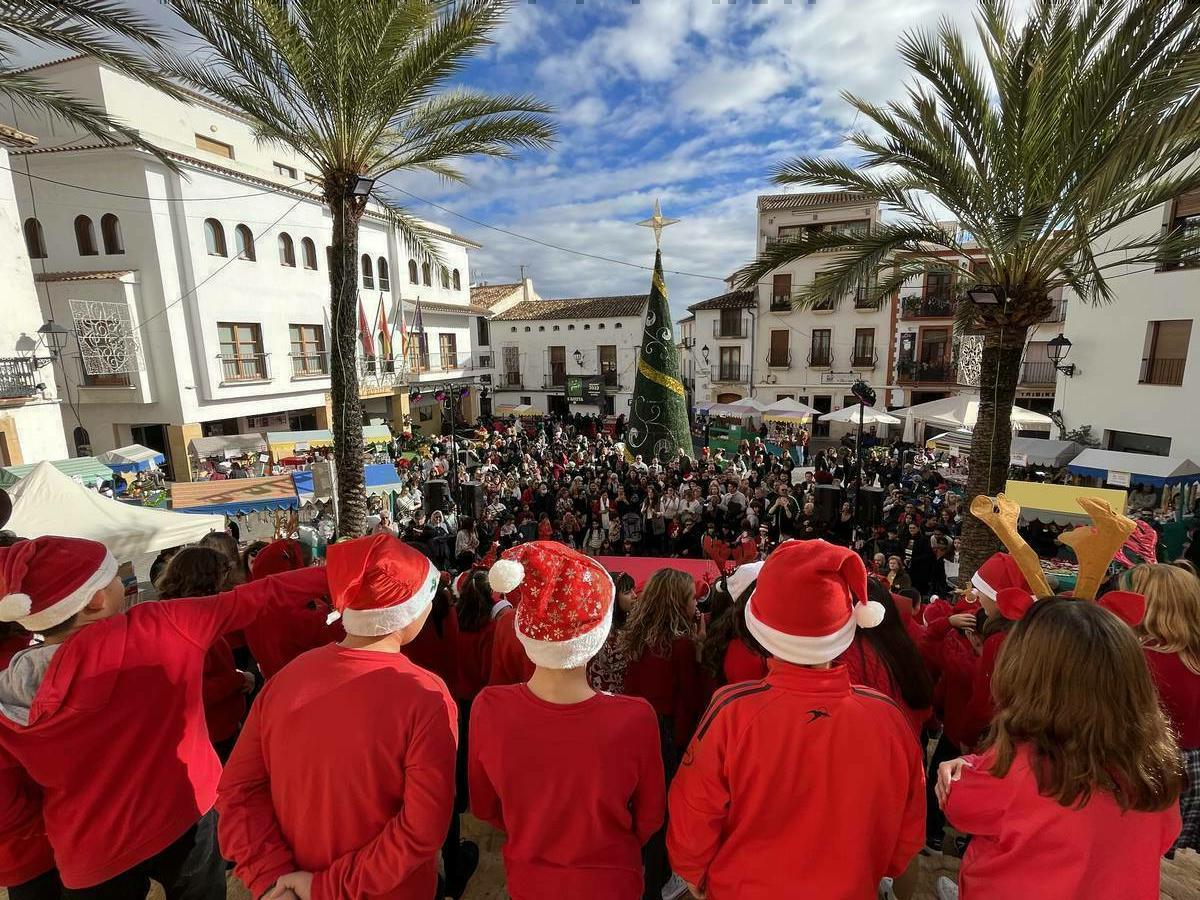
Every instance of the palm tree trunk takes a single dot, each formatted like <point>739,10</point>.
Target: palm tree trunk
<point>348,452</point>
<point>990,444</point>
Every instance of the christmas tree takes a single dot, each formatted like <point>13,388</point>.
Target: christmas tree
<point>658,420</point>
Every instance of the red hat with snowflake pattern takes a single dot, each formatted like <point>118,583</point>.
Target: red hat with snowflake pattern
<point>565,603</point>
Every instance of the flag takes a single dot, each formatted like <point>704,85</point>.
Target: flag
<point>398,322</point>
<point>385,333</point>
<point>418,326</point>
<point>364,332</point>
<point>658,421</point>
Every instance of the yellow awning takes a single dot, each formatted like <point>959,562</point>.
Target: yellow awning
<point>1057,502</point>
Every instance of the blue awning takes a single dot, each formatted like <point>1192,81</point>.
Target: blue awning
<point>1156,471</point>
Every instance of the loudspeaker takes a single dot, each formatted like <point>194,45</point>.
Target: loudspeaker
<point>472,500</point>
<point>827,500</point>
<point>872,505</point>
<point>437,495</point>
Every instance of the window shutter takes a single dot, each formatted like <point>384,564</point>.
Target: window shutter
<point>1188,205</point>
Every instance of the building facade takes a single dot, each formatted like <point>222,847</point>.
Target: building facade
<point>568,356</point>
<point>199,298</point>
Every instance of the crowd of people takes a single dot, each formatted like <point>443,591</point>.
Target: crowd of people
<point>834,700</point>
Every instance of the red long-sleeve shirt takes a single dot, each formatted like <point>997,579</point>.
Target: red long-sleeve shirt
<point>473,652</point>
<point>742,664</point>
<point>116,736</point>
<point>436,652</point>
<point>578,788</point>
<point>798,780</point>
<point>673,684</point>
<point>1179,689</point>
<point>284,633</point>
<point>1029,847</point>
<point>345,769</point>
<point>224,697</point>
<point>510,664</point>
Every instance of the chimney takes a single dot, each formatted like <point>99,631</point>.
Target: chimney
<point>526,289</point>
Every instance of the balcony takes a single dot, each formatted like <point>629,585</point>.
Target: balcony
<point>781,303</point>
<point>725,328</point>
<point>820,358</point>
<point>310,365</point>
<point>730,374</point>
<point>18,378</point>
<point>865,360</point>
<point>863,301</point>
<point>1157,370</point>
<point>103,379</point>
<point>779,359</point>
<point>1040,372</point>
<point>823,306</point>
<point>935,371</point>
<point>247,368</point>
<point>926,306</point>
<point>1057,314</point>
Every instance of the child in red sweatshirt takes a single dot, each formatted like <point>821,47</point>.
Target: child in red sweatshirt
<point>573,776</point>
<point>1089,817</point>
<point>106,716</point>
<point>342,783</point>
<point>800,779</point>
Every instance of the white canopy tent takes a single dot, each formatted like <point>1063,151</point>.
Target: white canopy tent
<point>133,458</point>
<point>48,502</point>
<point>960,411</point>
<point>870,416</point>
<point>788,410</point>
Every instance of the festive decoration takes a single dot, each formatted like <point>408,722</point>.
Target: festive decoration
<point>728,557</point>
<point>658,422</point>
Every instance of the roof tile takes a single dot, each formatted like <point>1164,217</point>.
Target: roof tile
<point>488,295</point>
<point>732,300</point>
<point>810,200</point>
<point>577,308</point>
<point>101,275</point>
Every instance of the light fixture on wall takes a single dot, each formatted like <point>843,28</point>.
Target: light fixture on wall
<point>986,294</point>
<point>1059,348</point>
<point>54,338</point>
<point>578,354</point>
<point>704,353</point>
<point>362,186</point>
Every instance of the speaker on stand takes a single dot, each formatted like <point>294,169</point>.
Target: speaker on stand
<point>872,506</point>
<point>472,499</point>
<point>437,495</point>
<point>827,500</point>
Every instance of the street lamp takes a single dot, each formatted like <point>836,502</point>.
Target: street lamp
<point>54,338</point>
<point>704,353</point>
<point>1058,348</point>
<point>578,354</point>
<point>362,186</point>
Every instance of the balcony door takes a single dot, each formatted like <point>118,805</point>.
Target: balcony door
<point>934,353</point>
<point>558,366</point>
<point>730,364</point>
<point>608,364</point>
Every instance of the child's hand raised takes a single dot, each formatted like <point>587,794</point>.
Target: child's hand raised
<point>948,773</point>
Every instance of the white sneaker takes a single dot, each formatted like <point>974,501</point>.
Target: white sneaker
<point>946,889</point>
<point>676,888</point>
<point>885,889</point>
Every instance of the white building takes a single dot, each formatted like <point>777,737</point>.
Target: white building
<point>571,355</point>
<point>199,299</point>
<point>720,348</point>
<point>1137,378</point>
<point>687,360</point>
<point>31,428</point>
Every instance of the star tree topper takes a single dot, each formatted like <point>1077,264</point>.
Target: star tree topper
<point>658,222</point>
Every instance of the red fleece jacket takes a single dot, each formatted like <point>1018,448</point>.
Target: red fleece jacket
<point>116,736</point>
<point>224,698</point>
<point>510,664</point>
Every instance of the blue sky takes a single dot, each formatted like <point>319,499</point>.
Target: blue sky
<point>690,101</point>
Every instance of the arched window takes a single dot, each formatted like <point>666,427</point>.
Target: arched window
<point>571,327</point>
<point>456,280</point>
<point>110,232</point>
<point>309,251</point>
<point>385,280</point>
<point>214,238</point>
<point>287,251</point>
<point>445,277</point>
<point>368,272</point>
<point>35,239</point>
<point>243,242</point>
<point>85,236</point>
<point>412,271</point>
<point>426,276</point>
<point>601,326</point>
<point>541,328</point>
<point>618,325</point>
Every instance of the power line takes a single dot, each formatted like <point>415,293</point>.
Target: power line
<point>79,187</point>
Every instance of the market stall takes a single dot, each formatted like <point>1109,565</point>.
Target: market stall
<point>959,411</point>
<point>1058,503</point>
<point>291,445</point>
<point>47,501</point>
<point>1030,451</point>
<point>956,443</point>
<point>1176,478</point>
<point>214,456</point>
<point>87,470</point>
<point>235,496</point>
<point>133,458</point>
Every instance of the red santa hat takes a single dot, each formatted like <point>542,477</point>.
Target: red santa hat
<point>276,557</point>
<point>45,581</point>
<point>565,603</point>
<point>379,585</point>
<point>999,571</point>
<point>810,597</point>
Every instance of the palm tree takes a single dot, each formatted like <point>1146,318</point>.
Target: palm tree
<point>104,30</point>
<point>360,89</point>
<point>1070,125</point>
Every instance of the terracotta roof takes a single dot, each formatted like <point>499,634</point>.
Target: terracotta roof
<point>430,306</point>
<point>488,295</point>
<point>811,200</point>
<point>732,300</point>
<point>102,275</point>
<point>577,308</point>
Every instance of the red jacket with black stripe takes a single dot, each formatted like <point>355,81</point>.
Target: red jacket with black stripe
<point>802,766</point>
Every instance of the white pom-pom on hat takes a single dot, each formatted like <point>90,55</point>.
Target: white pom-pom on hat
<point>15,606</point>
<point>869,614</point>
<point>505,575</point>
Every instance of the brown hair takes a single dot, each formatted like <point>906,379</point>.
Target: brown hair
<point>224,544</point>
<point>661,614</point>
<point>195,572</point>
<point>1172,621</point>
<point>1072,685</point>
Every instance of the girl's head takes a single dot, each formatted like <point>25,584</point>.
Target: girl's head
<point>663,613</point>
<point>1172,620</point>
<point>1072,685</point>
<point>892,643</point>
<point>475,602</point>
<point>626,597</point>
<point>195,571</point>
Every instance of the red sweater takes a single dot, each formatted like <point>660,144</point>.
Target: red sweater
<point>24,850</point>
<point>1029,847</point>
<point>801,739</point>
<point>673,684</point>
<point>510,665</point>
<point>578,788</point>
<point>473,651</point>
<point>742,664</point>
<point>124,696</point>
<point>345,769</point>
<point>866,668</point>
<point>283,634</point>
<point>224,698</point>
<point>1179,689</point>
<point>435,652</point>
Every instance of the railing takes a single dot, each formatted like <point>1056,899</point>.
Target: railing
<point>779,359</point>
<point>823,306</point>
<point>18,378</point>
<point>911,371</point>
<point>730,374</point>
<point>511,379</point>
<point>862,299</point>
<point>1039,372</point>
<point>781,303</point>
<point>310,365</point>
<point>725,329</point>
<point>103,379</point>
<point>926,306</point>
<point>611,379</point>
<point>249,367</point>
<point>821,358</point>
<point>1156,370</point>
<point>865,360</point>
<point>1057,314</point>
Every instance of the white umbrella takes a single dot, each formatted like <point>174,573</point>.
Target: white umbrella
<point>870,416</point>
<point>746,407</point>
<point>960,411</point>
<point>788,410</point>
